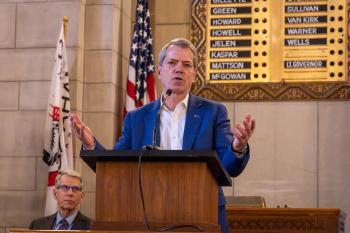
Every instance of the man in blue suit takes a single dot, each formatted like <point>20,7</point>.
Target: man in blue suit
<point>186,122</point>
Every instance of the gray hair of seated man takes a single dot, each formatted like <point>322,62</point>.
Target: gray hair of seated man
<point>70,173</point>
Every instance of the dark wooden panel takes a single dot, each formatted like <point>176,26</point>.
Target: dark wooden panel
<point>155,227</point>
<point>285,220</point>
<point>173,192</point>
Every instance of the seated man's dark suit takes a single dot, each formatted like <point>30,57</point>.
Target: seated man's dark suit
<point>80,222</point>
<point>207,127</point>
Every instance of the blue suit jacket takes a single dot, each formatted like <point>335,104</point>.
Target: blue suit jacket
<point>207,127</point>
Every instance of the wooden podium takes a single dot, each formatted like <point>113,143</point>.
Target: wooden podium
<point>179,188</point>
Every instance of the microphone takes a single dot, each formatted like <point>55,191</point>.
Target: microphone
<point>154,136</point>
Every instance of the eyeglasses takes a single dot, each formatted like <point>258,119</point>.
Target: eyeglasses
<point>66,188</point>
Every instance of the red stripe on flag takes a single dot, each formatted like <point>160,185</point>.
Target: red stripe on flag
<point>125,112</point>
<point>130,89</point>
<point>151,87</point>
<point>52,178</point>
<point>138,104</point>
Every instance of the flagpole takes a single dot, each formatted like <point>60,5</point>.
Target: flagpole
<point>65,27</point>
<point>67,126</point>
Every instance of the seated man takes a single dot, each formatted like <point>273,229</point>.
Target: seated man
<point>68,193</point>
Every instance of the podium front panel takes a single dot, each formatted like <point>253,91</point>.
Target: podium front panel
<point>173,192</point>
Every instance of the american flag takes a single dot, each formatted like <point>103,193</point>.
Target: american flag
<point>141,83</point>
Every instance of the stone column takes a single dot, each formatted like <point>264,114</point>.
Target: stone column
<point>107,43</point>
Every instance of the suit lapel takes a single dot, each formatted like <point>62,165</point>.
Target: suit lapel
<point>50,221</point>
<point>194,118</point>
<point>149,122</point>
<point>77,223</point>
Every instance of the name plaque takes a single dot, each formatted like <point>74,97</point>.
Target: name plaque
<point>260,41</point>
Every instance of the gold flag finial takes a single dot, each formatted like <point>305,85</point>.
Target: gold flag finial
<point>65,27</point>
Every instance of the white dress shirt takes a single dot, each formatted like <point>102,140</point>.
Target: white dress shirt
<point>172,125</point>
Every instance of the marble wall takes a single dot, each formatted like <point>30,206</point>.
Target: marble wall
<point>29,31</point>
<point>299,154</point>
<point>299,149</point>
<point>98,49</point>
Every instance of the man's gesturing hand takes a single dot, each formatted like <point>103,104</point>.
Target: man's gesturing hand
<point>242,132</point>
<point>82,131</point>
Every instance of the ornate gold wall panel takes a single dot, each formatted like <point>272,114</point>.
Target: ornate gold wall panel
<point>278,80</point>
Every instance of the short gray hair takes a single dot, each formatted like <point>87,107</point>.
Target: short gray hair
<point>183,43</point>
<point>70,173</point>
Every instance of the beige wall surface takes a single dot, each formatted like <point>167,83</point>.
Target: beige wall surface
<point>29,31</point>
<point>98,33</point>
<point>299,152</point>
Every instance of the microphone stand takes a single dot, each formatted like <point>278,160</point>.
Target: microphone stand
<point>154,147</point>
<point>149,147</point>
<point>154,136</point>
